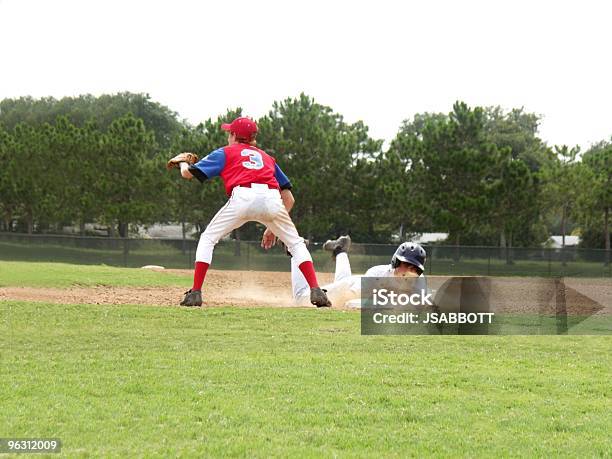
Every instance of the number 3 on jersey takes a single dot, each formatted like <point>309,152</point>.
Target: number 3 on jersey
<point>255,160</point>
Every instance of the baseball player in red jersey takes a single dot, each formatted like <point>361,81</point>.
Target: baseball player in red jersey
<point>258,191</point>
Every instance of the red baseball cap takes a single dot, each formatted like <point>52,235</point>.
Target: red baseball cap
<point>243,127</point>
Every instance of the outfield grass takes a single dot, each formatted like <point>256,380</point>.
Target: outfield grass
<point>129,381</point>
<point>24,274</point>
<point>148,381</point>
<point>99,251</point>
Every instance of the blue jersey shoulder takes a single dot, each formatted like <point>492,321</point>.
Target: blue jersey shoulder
<point>281,178</point>
<point>212,164</point>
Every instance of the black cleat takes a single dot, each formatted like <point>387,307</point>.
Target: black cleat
<point>340,245</point>
<point>318,297</point>
<point>192,298</point>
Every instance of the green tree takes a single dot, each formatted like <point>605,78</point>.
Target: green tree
<point>127,193</point>
<point>452,164</point>
<point>596,190</point>
<point>84,108</point>
<point>86,150</point>
<point>405,194</point>
<point>517,130</point>
<point>561,184</point>
<point>320,153</point>
<point>36,186</point>
<point>512,193</point>
<point>9,204</point>
<point>70,161</point>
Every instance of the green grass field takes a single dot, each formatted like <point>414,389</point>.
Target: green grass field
<point>61,275</point>
<point>145,381</point>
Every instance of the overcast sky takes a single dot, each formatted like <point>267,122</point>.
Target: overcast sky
<point>378,61</point>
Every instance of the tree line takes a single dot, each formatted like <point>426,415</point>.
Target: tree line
<point>481,174</point>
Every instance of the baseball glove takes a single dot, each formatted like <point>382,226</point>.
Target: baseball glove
<point>189,158</point>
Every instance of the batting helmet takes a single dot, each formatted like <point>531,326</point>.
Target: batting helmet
<point>410,252</point>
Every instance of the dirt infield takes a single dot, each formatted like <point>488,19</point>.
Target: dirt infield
<point>222,288</point>
<point>273,289</point>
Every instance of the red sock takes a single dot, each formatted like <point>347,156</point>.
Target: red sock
<point>199,274</point>
<point>308,271</point>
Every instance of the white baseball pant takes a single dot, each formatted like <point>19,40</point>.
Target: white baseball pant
<point>257,203</point>
<point>345,287</point>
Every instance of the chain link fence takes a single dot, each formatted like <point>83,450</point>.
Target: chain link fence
<point>248,255</point>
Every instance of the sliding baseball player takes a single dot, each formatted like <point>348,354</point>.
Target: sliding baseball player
<point>407,261</point>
